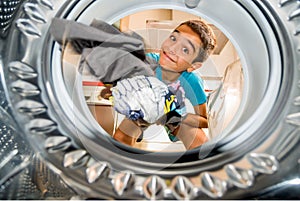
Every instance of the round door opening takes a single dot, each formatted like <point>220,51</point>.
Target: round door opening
<point>221,76</point>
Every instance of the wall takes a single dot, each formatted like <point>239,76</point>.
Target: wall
<point>155,25</point>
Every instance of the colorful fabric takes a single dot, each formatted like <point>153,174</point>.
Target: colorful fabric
<point>149,99</point>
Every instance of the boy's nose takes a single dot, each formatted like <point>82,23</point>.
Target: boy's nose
<point>173,49</point>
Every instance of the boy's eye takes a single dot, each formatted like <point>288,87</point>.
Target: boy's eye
<point>173,38</point>
<point>185,50</point>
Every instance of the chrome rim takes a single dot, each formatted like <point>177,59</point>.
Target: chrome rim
<point>57,126</point>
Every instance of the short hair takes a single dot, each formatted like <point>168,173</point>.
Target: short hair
<point>206,35</point>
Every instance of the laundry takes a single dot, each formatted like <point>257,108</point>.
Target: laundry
<point>149,99</point>
<point>106,53</point>
<point>119,58</point>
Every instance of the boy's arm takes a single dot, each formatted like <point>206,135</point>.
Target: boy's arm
<point>127,132</point>
<point>199,119</point>
<point>189,131</point>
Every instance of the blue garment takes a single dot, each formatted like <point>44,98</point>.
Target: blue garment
<point>190,82</point>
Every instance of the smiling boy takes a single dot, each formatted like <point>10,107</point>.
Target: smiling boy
<point>184,51</point>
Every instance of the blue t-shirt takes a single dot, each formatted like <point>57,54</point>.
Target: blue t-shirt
<point>190,82</point>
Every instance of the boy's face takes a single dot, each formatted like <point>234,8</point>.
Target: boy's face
<point>180,49</point>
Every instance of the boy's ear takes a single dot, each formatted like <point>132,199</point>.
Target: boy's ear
<point>194,66</point>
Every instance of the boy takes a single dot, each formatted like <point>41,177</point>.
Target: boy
<point>184,51</point>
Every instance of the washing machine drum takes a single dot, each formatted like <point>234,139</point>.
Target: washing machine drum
<point>53,148</point>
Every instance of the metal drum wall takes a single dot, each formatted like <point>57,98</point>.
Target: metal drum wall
<point>51,149</point>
